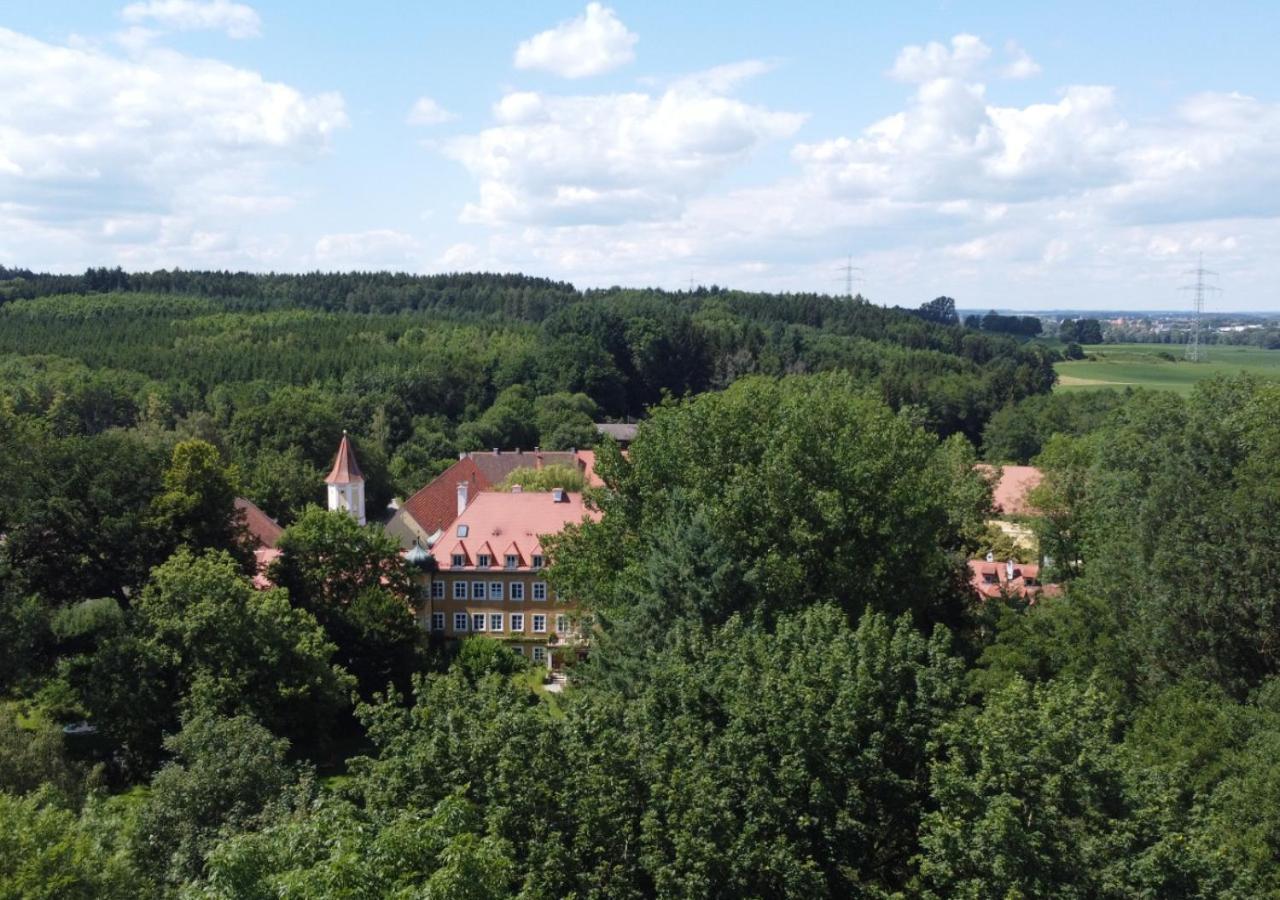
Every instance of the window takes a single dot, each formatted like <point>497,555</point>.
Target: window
<point>437,621</point>
<point>459,590</point>
<point>477,590</point>
<point>537,560</point>
<point>495,590</point>
<point>539,624</point>
<point>458,560</point>
<point>482,561</point>
<point>562,624</point>
<point>519,651</point>
<point>477,622</point>
<point>517,621</point>
<point>437,590</point>
<point>511,561</point>
<point>539,590</point>
<point>463,530</point>
<point>539,654</point>
<point>495,621</point>
<point>517,590</point>
<point>459,621</point>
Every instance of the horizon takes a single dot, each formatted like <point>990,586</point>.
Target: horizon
<point>1013,159</point>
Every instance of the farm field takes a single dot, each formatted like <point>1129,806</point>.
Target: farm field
<point>1140,365</point>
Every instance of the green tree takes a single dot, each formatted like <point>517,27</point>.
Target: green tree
<point>227,775</point>
<point>197,506</point>
<point>47,852</point>
<point>358,586</point>
<point>798,490</point>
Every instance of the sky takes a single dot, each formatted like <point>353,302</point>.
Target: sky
<point>1010,155</point>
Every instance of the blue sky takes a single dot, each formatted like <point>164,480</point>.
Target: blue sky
<point>1009,155</point>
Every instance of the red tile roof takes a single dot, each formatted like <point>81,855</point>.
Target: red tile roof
<point>436,505</point>
<point>265,530</point>
<point>992,580</point>
<point>345,467</point>
<point>511,520</point>
<point>1011,488</point>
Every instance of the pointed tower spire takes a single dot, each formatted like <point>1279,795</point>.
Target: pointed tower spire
<point>346,481</point>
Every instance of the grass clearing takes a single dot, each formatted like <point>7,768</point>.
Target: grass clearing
<point>1143,365</point>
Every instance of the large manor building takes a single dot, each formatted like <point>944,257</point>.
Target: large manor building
<point>488,576</point>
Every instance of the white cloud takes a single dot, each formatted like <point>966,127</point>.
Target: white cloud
<point>935,60</point>
<point>236,19</point>
<point>426,111</point>
<point>956,193</point>
<point>380,248</point>
<point>593,43</point>
<point>1020,65</point>
<point>93,145</point>
<point>611,157</point>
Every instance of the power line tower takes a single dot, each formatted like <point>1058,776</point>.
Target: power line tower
<point>1196,352</point>
<point>848,269</point>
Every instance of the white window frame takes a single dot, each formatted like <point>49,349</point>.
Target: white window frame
<point>458,560</point>
<point>478,622</point>
<point>517,591</point>
<point>539,654</point>
<point>540,587</point>
<point>562,623</point>
<point>461,622</point>
<point>495,590</point>
<point>517,623</point>
<point>437,590</point>
<point>482,561</point>
<point>539,617</point>
<point>511,561</point>
<point>495,622</point>
<point>459,590</point>
<point>477,590</point>
<point>437,621</point>
<point>537,561</point>
<point>519,651</point>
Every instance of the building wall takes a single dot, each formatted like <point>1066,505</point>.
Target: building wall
<point>526,638</point>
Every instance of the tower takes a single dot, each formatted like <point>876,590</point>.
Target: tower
<point>346,482</point>
<point>1195,352</point>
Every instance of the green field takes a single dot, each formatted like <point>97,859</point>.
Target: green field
<point>1139,365</point>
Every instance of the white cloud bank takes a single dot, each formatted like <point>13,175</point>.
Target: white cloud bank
<point>593,43</point>
<point>236,19</point>
<point>148,150</point>
<point>956,191</point>
<point>612,158</point>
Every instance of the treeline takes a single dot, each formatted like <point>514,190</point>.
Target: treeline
<point>270,369</point>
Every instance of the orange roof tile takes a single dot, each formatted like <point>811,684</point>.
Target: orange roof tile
<point>1010,490</point>
<point>992,580</point>
<point>265,530</point>
<point>345,467</point>
<point>519,520</point>
<point>436,504</point>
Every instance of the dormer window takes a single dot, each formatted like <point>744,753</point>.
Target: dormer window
<point>511,561</point>
<point>537,560</point>
<point>458,561</point>
<point>482,560</point>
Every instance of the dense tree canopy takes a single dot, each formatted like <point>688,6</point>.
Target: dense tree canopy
<point>791,689</point>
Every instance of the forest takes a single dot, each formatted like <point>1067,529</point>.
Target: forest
<point>792,690</point>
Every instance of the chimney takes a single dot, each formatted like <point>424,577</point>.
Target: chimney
<point>462,497</point>
<point>497,452</point>
<point>991,557</point>
<point>517,489</point>
<point>1008,569</point>
<point>462,454</point>
<point>557,495</point>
